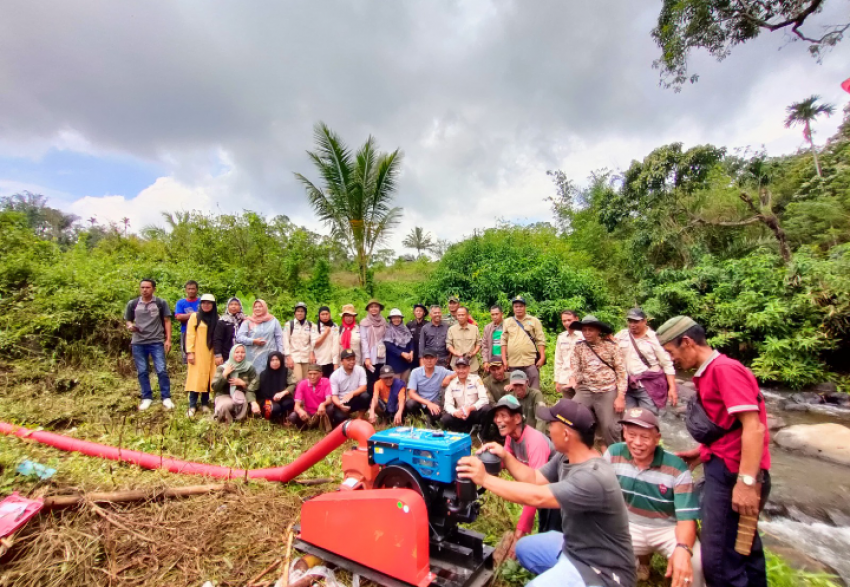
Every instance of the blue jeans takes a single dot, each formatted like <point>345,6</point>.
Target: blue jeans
<point>543,554</point>
<point>141,352</point>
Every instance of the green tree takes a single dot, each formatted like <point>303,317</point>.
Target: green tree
<point>805,113</point>
<point>356,197</point>
<point>418,239</point>
<point>720,25</point>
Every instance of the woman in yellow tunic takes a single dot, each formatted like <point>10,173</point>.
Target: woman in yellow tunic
<point>200,353</point>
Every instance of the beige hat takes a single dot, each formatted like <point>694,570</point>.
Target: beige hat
<point>208,298</point>
<point>348,309</point>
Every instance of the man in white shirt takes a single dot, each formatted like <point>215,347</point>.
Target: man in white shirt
<point>348,389</point>
<point>466,403</point>
<point>652,377</point>
<point>563,351</point>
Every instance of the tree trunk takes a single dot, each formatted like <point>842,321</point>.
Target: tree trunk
<point>814,151</point>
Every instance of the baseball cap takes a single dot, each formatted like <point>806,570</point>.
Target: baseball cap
<point>462,361</point>
<point>453,299</point>
<point>496,363</point>
<point>519,377</point>
<point>510,402</point>
<point>347,354</point>
<point>568,412</point>
<point>674,328</point>
<point>636,314</point>
<point>387,371</point>
<point>640,417</point>
<point>518,300</point>
<point>313,367</point>
<point>208,298</point>
<point>428,353</point>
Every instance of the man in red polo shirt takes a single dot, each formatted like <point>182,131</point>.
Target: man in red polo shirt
<point>734,451</point>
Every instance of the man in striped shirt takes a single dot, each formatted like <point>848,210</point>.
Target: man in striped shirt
<point>659,493</point>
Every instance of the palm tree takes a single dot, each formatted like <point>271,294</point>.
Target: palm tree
<point>418,239</point>
<point>804,113</point>
<point>355,200</point>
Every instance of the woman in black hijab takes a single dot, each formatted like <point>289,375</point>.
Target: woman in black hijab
<point>274,397</point>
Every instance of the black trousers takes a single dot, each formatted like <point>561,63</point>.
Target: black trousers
<point>481,417</point>
<point>414,409</point>
<point>273,410</point>
<point>357,404</point>
<point>722,566</point>
<point>327,370</point>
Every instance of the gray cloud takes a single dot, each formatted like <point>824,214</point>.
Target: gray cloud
<point>483,97</point>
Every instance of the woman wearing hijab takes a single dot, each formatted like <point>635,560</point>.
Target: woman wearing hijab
<point>326,342</point>
<point>274,397</point>
<point>399,343</point>
<point>372,330</point>
<point>235,385</point>
<point>261,334</point>
<point>200,331</point>
<point>233,313</point>
<point>349,333</point>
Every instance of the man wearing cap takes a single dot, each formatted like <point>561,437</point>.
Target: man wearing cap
<point>312,398</point>
<point>491,340</point>
<point>298,343</point>
<point>594,547</point>
<point>433,337</point>
<point>524,343</point>
<point>388,397</point>
<point>599,376</point>
<point>454,306</point>
<point>348,389</point>
<point>463,340</point>
<point>659,493</point>
<point>730,419</point>
<point>415,328</point>
<point>466,402</point>
<point>563,351</point>
<point>425,386</point>
<point>529,397</point>
<point>533,449</point>
<point>495,381</point>
<point>652,377</point>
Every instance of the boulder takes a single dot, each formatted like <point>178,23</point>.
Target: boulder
<point>686,390</point>
<point>825,387</point>
<point>792,407</point>
<point>775,422</point>
<point>806,397</point>
<point>830,442</point>
<point>837,398</point>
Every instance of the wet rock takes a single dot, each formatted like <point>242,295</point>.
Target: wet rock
<point>686,390</point>
<point>806,397</point>
<point>792,407</point>
<point>837,398</point>
<point>825,387</point>
<point>830,442</point>
<point>793,556</point>
<point>775,422</point>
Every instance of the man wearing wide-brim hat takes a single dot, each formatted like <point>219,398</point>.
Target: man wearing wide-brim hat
<point>599,375</point>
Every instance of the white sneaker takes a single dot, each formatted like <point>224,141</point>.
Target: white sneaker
<point>146,403</point>
<point>168,404</point>
<point>190,413</point>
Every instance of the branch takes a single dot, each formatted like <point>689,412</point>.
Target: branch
<point>698,220</point>
<point>745,197</point>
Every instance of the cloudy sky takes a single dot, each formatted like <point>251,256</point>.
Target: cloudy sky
<point>130,108</point>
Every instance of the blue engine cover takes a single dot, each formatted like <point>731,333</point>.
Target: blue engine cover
<point>433,453</point>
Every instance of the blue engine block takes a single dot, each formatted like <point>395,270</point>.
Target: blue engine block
<point>432,453</point>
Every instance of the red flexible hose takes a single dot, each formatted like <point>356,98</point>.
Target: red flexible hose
<point>358,430</point>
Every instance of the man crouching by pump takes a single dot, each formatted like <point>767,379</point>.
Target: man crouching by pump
<point>595,547</point>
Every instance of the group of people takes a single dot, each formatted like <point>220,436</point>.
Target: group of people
<point>599,513</point>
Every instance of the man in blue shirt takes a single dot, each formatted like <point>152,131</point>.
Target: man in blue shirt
<point>184,309</point>
<point>425,385</point>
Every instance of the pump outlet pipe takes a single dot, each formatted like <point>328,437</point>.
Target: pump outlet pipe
<point>358,430</point>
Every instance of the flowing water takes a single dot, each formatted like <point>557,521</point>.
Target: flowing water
<point>809,505</point>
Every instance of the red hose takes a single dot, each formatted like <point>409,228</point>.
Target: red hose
<point>358,430</point>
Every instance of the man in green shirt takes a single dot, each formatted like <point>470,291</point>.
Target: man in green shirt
<point>496,381</point>
<point>491,342</point>
<point>659,492</point>
<point>530,398</point>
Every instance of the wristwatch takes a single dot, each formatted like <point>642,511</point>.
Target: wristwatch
<point>747,480</point>
<point>686,547</point>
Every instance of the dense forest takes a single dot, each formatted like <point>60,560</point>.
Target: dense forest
<point>753,246</point>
